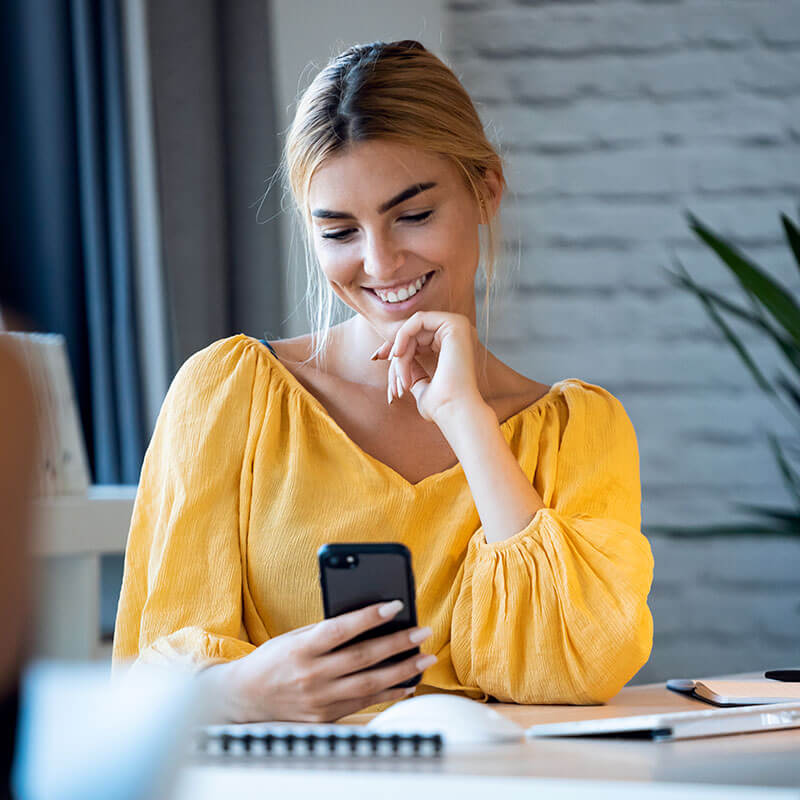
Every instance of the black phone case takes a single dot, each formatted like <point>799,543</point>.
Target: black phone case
<point>379,573</point>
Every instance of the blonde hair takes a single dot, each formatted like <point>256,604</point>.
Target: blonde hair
<point>394,91</point>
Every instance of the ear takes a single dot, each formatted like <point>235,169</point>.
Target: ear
<point>494,183</point>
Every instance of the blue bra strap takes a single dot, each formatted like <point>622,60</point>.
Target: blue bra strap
<point>271,348</point>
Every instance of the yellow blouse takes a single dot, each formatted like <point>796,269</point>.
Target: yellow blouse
<point>247,475</point>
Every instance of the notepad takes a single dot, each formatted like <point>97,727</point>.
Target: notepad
<point>678,724</point>
<point>289,739</point>
<point>741,692</point>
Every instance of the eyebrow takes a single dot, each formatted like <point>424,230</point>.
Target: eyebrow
<point>406,194</point>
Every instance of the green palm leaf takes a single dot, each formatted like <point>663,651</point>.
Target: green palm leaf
<point>790,477</point>
<point>754,318</point>
<point>729,334</point>
<point>777,300</point>
<point>793,236</point>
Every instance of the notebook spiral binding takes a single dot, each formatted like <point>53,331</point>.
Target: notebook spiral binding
<point>325,741</point>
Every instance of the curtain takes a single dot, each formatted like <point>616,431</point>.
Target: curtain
<point>66,265</point>
<point>217,143</point>
<point>105,228</point>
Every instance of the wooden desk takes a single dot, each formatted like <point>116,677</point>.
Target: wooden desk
<point>762,765</point>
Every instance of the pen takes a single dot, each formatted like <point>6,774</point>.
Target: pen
<point>788,675</point>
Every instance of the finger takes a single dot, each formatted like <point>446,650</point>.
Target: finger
<point>378,679</point>
<point>412,372</point>
<point>382,352</point>
<point>366,654</point>
<point>419,321</point>
<point>391,382</point>
<point>402,365</point>
<point>342,709</point>
<point>419,387</point>
<point>335,631</point>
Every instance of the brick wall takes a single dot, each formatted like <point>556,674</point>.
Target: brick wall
<point>615,117</point>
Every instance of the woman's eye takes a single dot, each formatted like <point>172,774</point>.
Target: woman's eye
<point>344,234</point>
<point>337,234</point>
<point>417,217</point>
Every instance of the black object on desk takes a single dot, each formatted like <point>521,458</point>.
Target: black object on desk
<point>786,675</point>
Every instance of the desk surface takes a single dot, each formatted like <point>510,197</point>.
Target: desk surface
<point>748,765</point>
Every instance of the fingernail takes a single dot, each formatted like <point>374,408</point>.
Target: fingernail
<point>425,662</point>
<point>410,689</point>
<point>390,609</point>
<point>420,635</point>
<point>399,388</point>
<point>375,354</point>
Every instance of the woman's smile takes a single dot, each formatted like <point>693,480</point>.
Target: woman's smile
<point>400,299</point>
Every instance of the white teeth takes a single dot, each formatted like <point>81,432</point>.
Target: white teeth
<point>402,294</point>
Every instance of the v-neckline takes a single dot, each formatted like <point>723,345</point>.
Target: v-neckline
<point>315,403</point>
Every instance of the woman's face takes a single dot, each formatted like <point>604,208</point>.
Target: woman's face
<point>392,222</point>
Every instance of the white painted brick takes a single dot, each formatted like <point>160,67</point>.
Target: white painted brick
<point>759,170</point>
<point>631,174</point>
<point>599,122</point>
<point>562,221</point>
<point>628,362</point>
<point>780,26</point>
<point>566,30</point>
<point>756,561</point>
<point>670,76</point>
<point>671,320</point>
<point>697,656</point>
<point>485,82</point>
<point>687,505</point>
<point>642,268</point>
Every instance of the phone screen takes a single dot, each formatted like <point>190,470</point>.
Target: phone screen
<point>356,575</point>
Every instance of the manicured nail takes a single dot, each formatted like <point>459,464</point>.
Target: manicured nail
<point>390,609</point>
<point>425,662</point>
<point>420,635</point>
<point>399,388</point>
<point>410,689</point>
<point>375,354</point>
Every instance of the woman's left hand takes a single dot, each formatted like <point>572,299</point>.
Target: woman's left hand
<point>452,338</point>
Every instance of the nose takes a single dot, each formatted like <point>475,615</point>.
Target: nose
<point>382,258</point>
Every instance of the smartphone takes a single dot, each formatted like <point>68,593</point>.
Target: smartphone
<point>356,575</point>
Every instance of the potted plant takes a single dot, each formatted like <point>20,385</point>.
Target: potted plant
<point>774,313</point>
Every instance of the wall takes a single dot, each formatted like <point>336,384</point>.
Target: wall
<point>615,118</point>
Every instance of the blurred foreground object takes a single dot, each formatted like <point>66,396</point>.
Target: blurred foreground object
<point>17,458</point>
<point>62,467</point>
<point>83,736</point>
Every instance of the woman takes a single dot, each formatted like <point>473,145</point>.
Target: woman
<point>520,502</point>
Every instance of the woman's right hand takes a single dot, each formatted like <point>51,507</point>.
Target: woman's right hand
<point>298,677</point>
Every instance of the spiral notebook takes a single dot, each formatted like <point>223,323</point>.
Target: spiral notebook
<point>283,739</point>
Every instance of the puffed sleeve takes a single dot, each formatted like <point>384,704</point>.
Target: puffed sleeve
<point>557,613</point>
<point>181,599</point>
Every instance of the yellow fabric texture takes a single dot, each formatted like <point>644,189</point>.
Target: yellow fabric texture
<point>247,475</point>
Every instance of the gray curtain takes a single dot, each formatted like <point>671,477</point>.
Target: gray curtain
<point>66,260</point>
<point>216,144</point>
<point>104,192</point>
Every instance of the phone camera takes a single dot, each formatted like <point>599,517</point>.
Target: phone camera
<point>334,561</point>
